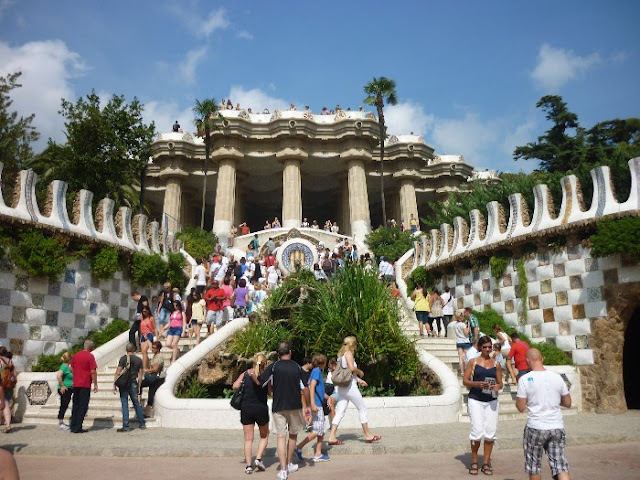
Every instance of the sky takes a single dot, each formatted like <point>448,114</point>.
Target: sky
<point>468,73</point>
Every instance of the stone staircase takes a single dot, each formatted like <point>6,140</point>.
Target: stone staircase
<point>105,410</point>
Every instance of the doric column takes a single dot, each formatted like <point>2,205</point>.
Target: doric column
<point>408,203</point>
<point>172,205</point>
<point>359,215</point>
<point>345,217</point>
<point>291,158</point>
<point>225,192</point>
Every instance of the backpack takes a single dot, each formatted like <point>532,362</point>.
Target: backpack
<point>124,379</point>
<point>237,271</point>
<point>8,378</point>
<point>341,376</point>
<point>167,301</point>
<point>327,265</point>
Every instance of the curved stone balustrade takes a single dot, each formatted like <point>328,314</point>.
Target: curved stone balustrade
<point>464,239</point>
<point>121,230</point>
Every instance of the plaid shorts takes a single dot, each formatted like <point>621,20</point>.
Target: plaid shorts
<point>319,425</point>
<point>551,441</point>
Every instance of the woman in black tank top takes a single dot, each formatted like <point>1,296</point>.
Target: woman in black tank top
<point>483,377</point>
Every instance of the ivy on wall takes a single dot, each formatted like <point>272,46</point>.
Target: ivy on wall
<point>498,267</point>
<point>523,288</point>
<point>617,236</point>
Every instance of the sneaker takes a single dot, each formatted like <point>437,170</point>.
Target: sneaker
<point>299,454</point>
<point>258,465</point>
<point>321,458</point>
<point>248,470</point>
<point>63,426</point>
<point>142,427</point>
<point>292,467</point>
<point>123,430</point>
<point>283,475</point>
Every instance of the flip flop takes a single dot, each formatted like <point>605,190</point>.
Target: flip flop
<point>337,442</point>
<point>375,438</point>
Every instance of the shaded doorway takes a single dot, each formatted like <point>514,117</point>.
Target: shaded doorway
<point>631,362</point>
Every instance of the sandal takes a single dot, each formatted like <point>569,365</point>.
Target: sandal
<point>337,442</point>
<point>473,470</point>
<point>487,469</point>
<point>375,438</point>
<point>8,429</point>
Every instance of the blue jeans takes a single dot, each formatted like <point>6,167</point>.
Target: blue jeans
<point>132,392</point>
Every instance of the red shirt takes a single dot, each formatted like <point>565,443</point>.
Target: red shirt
<point>244,230</point>
<point>82,364</point>
<point>270,260</point>
<point>213,303</point>
<point>519,352</point>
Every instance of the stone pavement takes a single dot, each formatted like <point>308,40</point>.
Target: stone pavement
<point>47,440</point>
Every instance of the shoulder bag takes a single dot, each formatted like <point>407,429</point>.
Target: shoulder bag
<point>341,376</point>
<point>236,400</point>
<point>123,380</point>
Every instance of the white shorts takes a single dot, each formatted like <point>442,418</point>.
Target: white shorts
<point>484,419</point>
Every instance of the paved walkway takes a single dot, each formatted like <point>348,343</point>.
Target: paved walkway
<point>47,440</point>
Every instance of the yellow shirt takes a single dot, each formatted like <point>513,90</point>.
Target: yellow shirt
<point>422,303</point>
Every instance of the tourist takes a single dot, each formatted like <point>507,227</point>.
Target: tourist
<point>422,309</point>
<point>435,313</point>
<point>83,365</point>
<point>254,246</point>
<point>290,399</point>
<point>200,277</point>
<point>227,309</point>
<point>267,225</point>
<point>385,270</point>
<point>292,107</point>
<point>240,299</point>
<point>335,228</point>
<point>542,392</point>
<point>188,308</point>
<point>65,388</point>
<point>472,353</point>
<point>276,223</point>
<point>327,265</point>
<point>327,226</point>
<point>198,316</point>
<point>244,229</point>
<point>214,297</point>
<point>317,400</point>
<point>266,111</point>
<point>258,270</point>
<point>271,245</point>
<point>257,298</point>
<point>483,377</point>
<point>133,390</point>
<point>350,393</point>
<point>315,225</point>
<point>319,274</point>
<point>153,377</point>
<point>147,329</point>
<point>474,325</point>
<point>447,308</point>
<point>461,329</point>
<point>6,391</point>
<point>141,300</point>
<point>503,339</point>
<point>229,105</point>
<point>234,231</point>
<point>518,353</point>
<point>177,327</point>
<point>273,276</point>
<point>305,223</point>
<point>223,105</point>
<point>254,411</point>
<point>176,126</point>
<point>413,224</point>
<point>165,307</point>
<point>222,271</point>
<point>238,108</point>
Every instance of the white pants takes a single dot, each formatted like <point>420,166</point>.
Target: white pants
<point>484,419</point>
<point>346,395</point>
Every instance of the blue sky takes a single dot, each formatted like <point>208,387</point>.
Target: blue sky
<point>468,73</point>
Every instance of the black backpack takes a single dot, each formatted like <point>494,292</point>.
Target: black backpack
<point>237,271</point>
<point>327,265</point>
<point>167,301</point>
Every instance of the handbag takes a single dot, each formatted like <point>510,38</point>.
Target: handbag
<point>123,380</point>
<point>236,400</point>
<point>341,376</point>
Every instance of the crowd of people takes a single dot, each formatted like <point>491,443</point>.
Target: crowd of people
<point>227,104</point>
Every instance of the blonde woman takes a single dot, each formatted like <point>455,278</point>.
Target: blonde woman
<point>254,410</point>
<point>65,388</point>
<point>350,393</point>
<point>422,309</point>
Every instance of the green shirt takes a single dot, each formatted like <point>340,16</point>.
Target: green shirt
<point>473,323</point>
<point>67,376</point>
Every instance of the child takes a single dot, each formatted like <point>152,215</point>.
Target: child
<point>306,367</point>
<point>318,397</point>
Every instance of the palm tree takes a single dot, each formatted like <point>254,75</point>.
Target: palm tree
<point>378,91</point>
<point>206,112</point>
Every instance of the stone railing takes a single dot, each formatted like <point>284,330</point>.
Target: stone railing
<point>121,230</point>
<point>480,236</point>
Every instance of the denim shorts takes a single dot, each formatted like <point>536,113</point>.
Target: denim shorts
<point>464,346</point>
<point>148,337</point>
<point>175,331</point>
<point>163,317</point>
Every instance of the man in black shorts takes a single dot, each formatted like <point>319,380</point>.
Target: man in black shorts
<point>290,397</point>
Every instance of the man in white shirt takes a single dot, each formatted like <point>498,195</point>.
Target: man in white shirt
<point>201,277</point>
<point>542,392</point>
<point>385,270</point>
<point>472,353</point>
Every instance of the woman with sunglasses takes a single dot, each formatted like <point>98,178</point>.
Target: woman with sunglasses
<point>147,330</point>
<point>483,377</point>
<point>177,327</point>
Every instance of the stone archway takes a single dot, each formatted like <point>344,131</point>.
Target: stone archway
<point>603,385</point>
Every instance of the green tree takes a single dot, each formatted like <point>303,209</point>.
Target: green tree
<point>389,242</point>
<point>16,133</point>
<point>106,149</point>
<point>378,91</point>
<point>206,112</point>
<point>561,148</point>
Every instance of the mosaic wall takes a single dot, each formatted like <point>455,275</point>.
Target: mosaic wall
<point>565,294</point>
<point>40,316</point>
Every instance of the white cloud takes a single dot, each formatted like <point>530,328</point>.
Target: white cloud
<point>620,57</point>
<point>244,34</point>
<point>165,113</point>
<point>406,117</point>
<point>47,68</point>
<point>190,64</point>
<point>469,136</point>
<point>556,66</point>
<point>256,99</point>
<point>216,20</point>
<point>4,6</point>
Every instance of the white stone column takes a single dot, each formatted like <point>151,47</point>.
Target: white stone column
<point>239,210</point>
<point>408,202</point>
<point>291,194</point>
<point>225,199</point>
<point>345,217</point>
<point>173,203</point>
<point>359,215</point>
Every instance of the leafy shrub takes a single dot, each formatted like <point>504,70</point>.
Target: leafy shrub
<point>174,271</point>
<point>390,242</point>
<point>419,276</point>
<point>617,236</point>
<point>552,354</point>
<point>488,318</point>
<point>40,256</point>
<point>105,262</point>
<point>498,267</point>
<point>197,242</point>
<point>192,388</point>
<point>259,337</point>
<point>51,363</point>
<point>147,270</point>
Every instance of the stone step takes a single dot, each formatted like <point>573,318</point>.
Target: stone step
<point>464,417</point>
<point>91,420</point>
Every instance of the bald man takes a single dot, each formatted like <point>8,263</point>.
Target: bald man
<point>542,392</point>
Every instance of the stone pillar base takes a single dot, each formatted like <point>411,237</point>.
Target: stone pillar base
<point>291,223</point>
<point>222,229</point>
<point>359,230</point>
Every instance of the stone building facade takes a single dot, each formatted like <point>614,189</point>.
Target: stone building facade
<point>295,165</point>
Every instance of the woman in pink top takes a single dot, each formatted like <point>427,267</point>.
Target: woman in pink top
<point>177,327</point>
<point>147,330</point>
<point>227,311</point>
